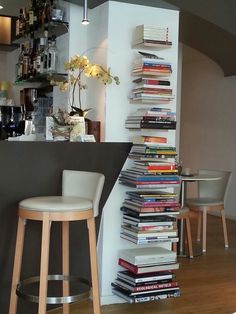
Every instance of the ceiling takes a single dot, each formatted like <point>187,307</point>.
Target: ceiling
<point>207,26</point>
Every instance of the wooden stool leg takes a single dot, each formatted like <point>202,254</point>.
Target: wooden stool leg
<point>224,228</point>
<point>94,265</point>
<point>174,246</point>
<point>44,265</point>
<point>189,237</point>
<point>199,225</point>
<point>65,263</point>
<point>17,264</point>
<point>204,213</point>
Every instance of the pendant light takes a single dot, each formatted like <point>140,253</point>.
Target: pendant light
<point>1,7</point>
<point>85,20</point>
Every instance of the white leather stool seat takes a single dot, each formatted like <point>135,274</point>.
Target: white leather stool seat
<point>56,203</point>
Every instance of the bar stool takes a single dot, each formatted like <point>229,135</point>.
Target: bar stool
<point>81,192</point>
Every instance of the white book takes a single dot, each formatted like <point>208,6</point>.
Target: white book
<point>150,255</point>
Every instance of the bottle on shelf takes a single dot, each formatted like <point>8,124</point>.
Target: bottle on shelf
<point>52,54</point>
<point>21,23</point>
<point>31,16</point>
<point>26,62</point>
<point>45,53</point>
<point>40,56</point>
<point>19,65</point>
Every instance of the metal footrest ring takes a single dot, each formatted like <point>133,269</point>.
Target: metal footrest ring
<point>53,300</point>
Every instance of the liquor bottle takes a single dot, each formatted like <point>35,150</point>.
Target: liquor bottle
<point>34,54</point>
<point>26,61</point>
<point>18,27</point>
<point>22,22</point>
<point>43,13</point>
<point>19,66</point>
<point>48,11</point>
<point>31,53</point>
<point>52,56</point>
<point>40,56</point>
<point>45,52</point>
<point>31,17</point>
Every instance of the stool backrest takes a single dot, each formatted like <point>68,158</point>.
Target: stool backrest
<point>83,184</point>
<point>214,189</point>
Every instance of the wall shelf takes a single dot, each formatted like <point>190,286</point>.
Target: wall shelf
<point>54,28</point>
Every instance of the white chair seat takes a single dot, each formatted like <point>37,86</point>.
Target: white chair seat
<point>204,202</point>
<point>56,203</point>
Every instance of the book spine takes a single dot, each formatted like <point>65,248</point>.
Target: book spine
<point>156,286</point>
<point>156,297</point>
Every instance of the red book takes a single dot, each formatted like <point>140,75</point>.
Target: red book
<point>156,69</point>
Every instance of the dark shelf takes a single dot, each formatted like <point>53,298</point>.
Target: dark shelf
<point>43,79</point>
<point>54,28</point>
<point>11,47</point>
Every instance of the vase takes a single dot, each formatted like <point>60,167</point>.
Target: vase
<point>77,128</point>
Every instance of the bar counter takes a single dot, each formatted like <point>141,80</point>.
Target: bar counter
<point>34,169</point>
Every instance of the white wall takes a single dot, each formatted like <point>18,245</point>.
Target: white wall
<point>208,119</point>
<point>122,20</point>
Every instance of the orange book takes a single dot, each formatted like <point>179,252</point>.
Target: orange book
<point>149,139</point>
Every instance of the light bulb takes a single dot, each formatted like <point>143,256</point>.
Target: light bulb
<point>85,22</point>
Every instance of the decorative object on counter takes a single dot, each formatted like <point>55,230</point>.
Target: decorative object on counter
<point>78,67</point>
<point>61,127</point>
<point>67,127</point>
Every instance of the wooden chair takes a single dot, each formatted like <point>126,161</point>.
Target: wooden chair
<point>184,215</point>
<point>211,197</point>
<point>81,192</point>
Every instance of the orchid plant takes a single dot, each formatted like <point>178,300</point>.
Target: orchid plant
<point>78,68</point>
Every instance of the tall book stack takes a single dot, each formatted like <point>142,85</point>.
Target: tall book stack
<point>151,36</point>
<point>147,275</point>
<point>149,218</point>
<point>153,118</point>
<point>151,205</point>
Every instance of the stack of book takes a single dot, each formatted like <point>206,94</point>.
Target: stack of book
<point>156,225</point>
<point>148,275</point>
<point>152,36</point>
<point>153,152</point>
<point>154,118</point>
<point>152,84</point>
<point>151,66</point>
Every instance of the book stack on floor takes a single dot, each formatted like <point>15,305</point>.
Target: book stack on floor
<point>147,275</point>
<point>152,118</point>
<point>151,36</point>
